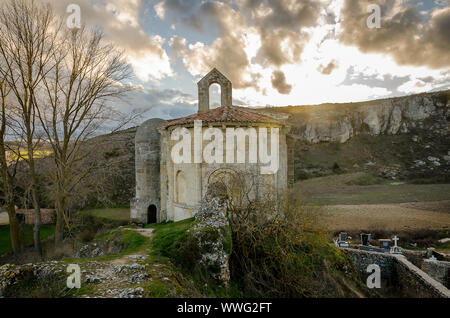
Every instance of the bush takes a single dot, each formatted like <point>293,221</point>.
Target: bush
<point>336,167</point>
<point>365,180</point>
<point>279,250</point>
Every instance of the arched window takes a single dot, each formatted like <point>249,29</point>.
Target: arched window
<point>180,195</point>
<point>214,96</point>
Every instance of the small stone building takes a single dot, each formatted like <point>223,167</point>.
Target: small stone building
<point>169,191</point>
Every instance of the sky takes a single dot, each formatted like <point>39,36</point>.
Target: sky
<point>275,52</point>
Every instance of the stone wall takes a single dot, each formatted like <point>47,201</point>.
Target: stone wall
<point>413,282</point>
<point>362,259</point>
<point>47,216</point>
<point>398,275</point>
<point>199,175</point>
<point>439,270</point>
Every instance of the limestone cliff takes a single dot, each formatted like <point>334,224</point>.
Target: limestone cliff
<point>340,122</point>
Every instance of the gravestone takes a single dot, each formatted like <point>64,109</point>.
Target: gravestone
<point>342,240</point>
<point>385,245</point>
<point>365,238</point>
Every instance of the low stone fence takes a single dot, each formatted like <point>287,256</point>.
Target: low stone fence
<point>27,216</point>
<point>414,282</point>
<point>362,259</point>
<point>399,276</point>
<point>439,270</point>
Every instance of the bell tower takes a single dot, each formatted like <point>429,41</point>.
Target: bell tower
<point>213,77</point>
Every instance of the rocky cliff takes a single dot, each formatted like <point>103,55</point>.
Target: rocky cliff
<point>340,122</point>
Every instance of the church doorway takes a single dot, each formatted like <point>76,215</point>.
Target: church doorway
<point>151,214</point>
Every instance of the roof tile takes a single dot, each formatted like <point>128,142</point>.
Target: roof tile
<point>222,114</point>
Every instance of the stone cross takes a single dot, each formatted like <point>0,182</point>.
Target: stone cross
<point>395,239</point>
<point>395,249</point>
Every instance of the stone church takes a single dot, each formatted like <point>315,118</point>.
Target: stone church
<point>170,191</point>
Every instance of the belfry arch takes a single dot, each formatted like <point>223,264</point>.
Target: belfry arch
<point>213,77</point>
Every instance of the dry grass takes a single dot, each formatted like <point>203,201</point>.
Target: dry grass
<point>389,206</point>
<point>338,190</point>
<point>403,216</point>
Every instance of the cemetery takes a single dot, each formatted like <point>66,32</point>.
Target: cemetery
<point>404,272</point>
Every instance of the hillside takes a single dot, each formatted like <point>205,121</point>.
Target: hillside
<point>398,138</point>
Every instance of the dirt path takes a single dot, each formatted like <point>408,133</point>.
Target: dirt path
<point>123,277</point>
<point>403,216</point>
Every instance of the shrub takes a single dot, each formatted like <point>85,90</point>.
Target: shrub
<point>336,167</point>
<point>280,250</point>
<point>365,180</point>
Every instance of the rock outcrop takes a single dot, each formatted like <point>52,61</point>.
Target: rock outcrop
<point>212,238</point>
<point>340,122</point>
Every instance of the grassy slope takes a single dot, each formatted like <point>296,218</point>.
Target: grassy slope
<point>168,236</point>
<point>118,214</point>
<point>5,243</point>
<point>341,189</point>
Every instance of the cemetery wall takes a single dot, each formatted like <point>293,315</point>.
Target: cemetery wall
<point>415,257</point>
<point>398,275</point>
<point>439,270</point>
<point>414,282</point>
<point>362,259</point>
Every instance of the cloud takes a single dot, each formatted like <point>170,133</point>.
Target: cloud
<point>327,70</point>
<point>409,35</point>
<point>158,103</point>
<point>226,53</point>
<point>278,25</point>
<point>120,22</point>
<point>279,83</point>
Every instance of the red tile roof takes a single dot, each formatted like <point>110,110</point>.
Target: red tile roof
<point>223,114</point>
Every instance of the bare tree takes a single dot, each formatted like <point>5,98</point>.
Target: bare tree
<point>7,177</point>
<point>28,36</point>
<point>77,95</point>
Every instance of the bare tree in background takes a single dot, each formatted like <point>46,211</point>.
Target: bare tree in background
<point>28,36</point>
<point>88,74</point>
<point>7,176</point>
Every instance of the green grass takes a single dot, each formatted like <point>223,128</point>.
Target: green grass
<point>366,180</point>
<point>167,237</point>
<point>116,214</point>
<point>156,289</point>
<point>5,242</point>
<point>132,241</point>
<point>171,244</point>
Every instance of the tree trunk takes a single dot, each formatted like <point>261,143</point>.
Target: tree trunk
<point>59,230</point>
<point>37,223</point>
<point>9,199</point>
<point>13,229</point>
<point>37,208</point>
